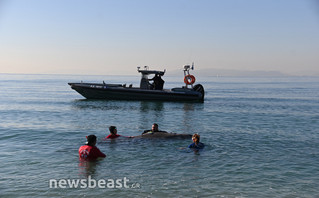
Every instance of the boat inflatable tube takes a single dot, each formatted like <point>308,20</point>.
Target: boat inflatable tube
<point>189,79</point>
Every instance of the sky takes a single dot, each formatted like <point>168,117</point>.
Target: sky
<point>112,37</point>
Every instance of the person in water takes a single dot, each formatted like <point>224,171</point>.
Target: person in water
<point>196,143</point>
<point>153,130</point>
<point>89,151</point>
<point>113,133</point>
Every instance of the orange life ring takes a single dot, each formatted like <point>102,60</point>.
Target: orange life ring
<point>189,79</point>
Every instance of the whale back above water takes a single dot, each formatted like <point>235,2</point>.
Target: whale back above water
<point>164,135</point>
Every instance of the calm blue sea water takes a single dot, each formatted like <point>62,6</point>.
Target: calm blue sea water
<point>261,136</point>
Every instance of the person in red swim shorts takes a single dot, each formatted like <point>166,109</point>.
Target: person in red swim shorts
<point>89,151</point>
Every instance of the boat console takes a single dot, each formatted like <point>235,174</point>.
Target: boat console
<point>145,84</point>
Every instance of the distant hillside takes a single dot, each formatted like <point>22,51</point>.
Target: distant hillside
<point>226,72</point>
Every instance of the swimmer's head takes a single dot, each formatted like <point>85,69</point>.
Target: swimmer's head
<point>91,140</point>
<point>155,127</point>
<point>196,137</point>
<point>113,129</point>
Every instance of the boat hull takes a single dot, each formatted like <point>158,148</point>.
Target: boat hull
<point>118,92</point>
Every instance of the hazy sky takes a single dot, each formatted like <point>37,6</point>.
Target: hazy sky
<point>116,36</point>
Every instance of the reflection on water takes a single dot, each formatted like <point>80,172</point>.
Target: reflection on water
<point>136,116</point>
<point>142,106</point>
<point>87,168</point>
<point>151,106</point>
<point>188,106</point>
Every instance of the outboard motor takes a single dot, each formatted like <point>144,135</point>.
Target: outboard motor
<point>199,88</point>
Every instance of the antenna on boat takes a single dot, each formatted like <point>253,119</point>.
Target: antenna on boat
<point>192,66</point>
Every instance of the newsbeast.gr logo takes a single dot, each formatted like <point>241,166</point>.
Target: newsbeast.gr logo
<point>92,183</point>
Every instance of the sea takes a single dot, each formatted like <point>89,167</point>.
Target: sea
<point>261,136</point>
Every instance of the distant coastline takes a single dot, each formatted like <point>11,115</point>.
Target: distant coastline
<point>206,72</point>
<point>242,73</point>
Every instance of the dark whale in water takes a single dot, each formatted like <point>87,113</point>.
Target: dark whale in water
<point>164,135</point>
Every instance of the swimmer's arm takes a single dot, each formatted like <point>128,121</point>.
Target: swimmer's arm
<point>99,153</point>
